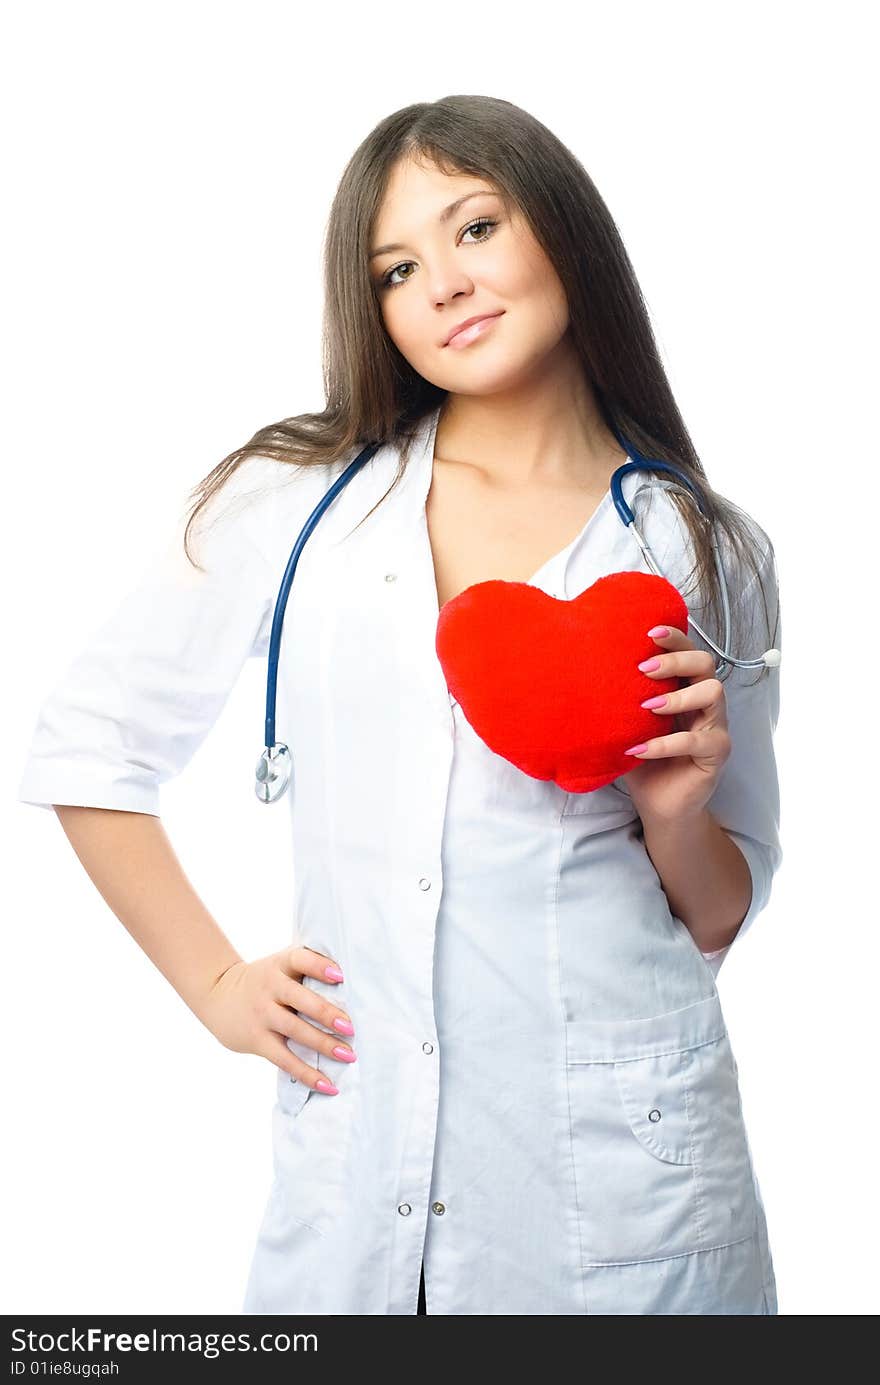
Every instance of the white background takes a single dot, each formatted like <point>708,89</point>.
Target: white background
<point>169,169</point>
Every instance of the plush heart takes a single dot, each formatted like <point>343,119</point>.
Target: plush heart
<point>554,686</point>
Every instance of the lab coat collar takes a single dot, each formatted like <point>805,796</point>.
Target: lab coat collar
<point>354,506</point>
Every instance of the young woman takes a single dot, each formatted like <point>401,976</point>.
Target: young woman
<point>505,1083</point>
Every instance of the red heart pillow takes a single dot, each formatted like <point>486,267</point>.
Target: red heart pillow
<point>553,686</point>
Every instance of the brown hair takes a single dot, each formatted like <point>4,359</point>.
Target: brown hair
<point>374,395</point>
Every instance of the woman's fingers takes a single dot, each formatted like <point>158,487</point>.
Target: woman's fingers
<point>278,1053</point>
<point>706,745</point>
<point>707,693</point>
<point>305,961</point>
<point>290,1022</point>
<point>292,992</point>
<point>680,663</point>
<point>700,702</point>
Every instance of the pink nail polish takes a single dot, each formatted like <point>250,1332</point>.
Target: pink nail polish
<point>334,973</point>
<point>659,632</point>
<point>648,665</point>
<point>347,1055</point>
<point>654,702</point>
<point>323,1086</point>
<point>343,1026</point>
<point>636,749</point>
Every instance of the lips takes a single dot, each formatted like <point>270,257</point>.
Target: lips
<point>470,322</point>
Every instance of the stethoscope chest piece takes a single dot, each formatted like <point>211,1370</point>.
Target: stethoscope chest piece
<point>273,773</point>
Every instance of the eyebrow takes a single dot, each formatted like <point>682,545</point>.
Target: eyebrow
<point>444,217</point>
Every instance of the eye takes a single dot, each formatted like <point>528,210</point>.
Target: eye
<point>386,281</point>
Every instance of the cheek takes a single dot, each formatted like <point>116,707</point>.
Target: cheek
<point>555,314</point>
<point>530,284</point>
<point>403,325</point>
<point>540,318</point>
<point>548,295</point>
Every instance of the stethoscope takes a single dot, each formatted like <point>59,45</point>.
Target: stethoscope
<point>275,766</point>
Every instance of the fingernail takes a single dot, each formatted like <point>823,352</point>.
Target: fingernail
<point>324,1086</point>
<point>660,631</point>
<point>334,973</point>
<point>344,1026</point>
<point>654,702</point>
<point>347,1055</point>
<point>636,749</point>
<point>648,665</point>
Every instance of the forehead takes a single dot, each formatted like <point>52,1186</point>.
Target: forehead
<point>421,188</point>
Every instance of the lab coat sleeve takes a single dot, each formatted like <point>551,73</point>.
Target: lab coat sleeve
<point>135,704</point>
<point>746,800</point>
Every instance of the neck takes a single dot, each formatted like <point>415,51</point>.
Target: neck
<point>548,430</point>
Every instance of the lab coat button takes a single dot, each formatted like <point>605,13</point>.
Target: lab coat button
<point>438,1208</point>
<point>390,576</point>
<point>424,883</point>
<point>654,1115</point>
<point>404,1209</point>
<point>427,1048</point>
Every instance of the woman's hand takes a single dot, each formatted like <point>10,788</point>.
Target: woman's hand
<point>681,766</point>
<point>253,1005</point>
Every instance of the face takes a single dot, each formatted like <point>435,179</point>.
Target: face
<point>482,258</point>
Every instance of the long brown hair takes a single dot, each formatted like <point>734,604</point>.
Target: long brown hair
<point>374,395</point>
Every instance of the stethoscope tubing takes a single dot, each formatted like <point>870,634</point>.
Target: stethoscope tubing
<point>287,580</point>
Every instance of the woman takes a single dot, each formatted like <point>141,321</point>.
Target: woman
<point>534,1106</point>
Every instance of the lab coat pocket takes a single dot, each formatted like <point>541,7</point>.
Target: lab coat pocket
<point>313,1132</point>
<point>313,1151</point>
<point>662,1165</point>
<point>293,1093</point>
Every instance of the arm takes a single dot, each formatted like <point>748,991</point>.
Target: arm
<point>705,877</point>
<point>130,712</point>
<point>132,863</point>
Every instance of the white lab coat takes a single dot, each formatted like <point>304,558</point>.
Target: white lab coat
<point>545,1100</point>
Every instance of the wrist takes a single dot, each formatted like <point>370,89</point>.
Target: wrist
<point>206,989</point>
<point>682,824</point>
